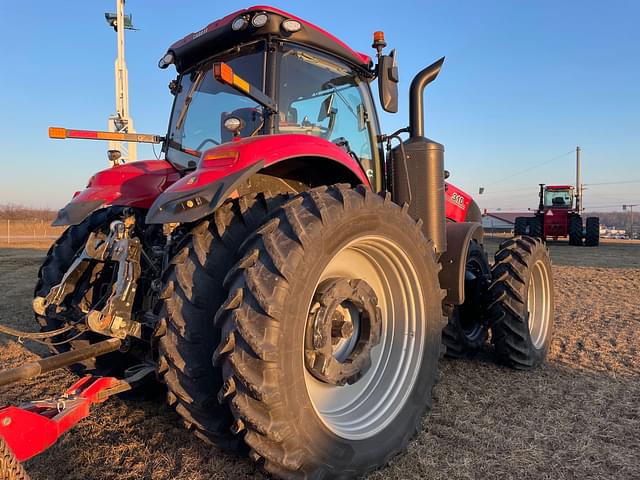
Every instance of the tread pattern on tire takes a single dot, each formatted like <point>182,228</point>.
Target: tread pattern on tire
<point>248,349</point>
<point>520,226</point>
<point>508,308</point>
<point>592,236</point>
<point>575,230</point>
<point>10,467</point>
<point>193,291</point>
<point>536,227</point>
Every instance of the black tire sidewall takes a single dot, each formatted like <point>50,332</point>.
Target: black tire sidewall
<point>539,253</point>
<point>536,227</point>
<point>467,345</point>
<point>328,448</point>
<point>592,237</point>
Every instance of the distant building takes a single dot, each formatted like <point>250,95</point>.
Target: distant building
<point>613,232</point>
<point>501,222</point>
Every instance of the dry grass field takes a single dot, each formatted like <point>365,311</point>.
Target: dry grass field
<point>578,417</point>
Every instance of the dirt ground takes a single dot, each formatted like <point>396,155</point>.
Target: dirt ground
<point>578,417</point>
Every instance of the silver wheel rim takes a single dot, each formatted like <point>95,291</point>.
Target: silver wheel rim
<point>365,408</point>
<point>538,304</point>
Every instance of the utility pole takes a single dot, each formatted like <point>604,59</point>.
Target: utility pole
<point>630,207</point>
<point>121,121</point>
<point>578,183</point>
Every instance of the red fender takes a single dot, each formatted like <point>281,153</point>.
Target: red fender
<point>457,203</point>
<point>225,167</point>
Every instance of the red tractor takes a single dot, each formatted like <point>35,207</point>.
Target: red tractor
<point>558,215</point>
<point>287,267</point>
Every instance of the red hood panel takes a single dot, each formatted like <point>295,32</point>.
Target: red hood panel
<point>135,184</point>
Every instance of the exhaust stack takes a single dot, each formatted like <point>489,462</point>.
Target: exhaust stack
<point>416,97</point>
<point>417,166</point>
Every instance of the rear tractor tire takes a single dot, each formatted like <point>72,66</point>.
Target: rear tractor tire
<point>467,328</point>
<point>331,334</point>
<point>592,237</point>
<point>522,303</point>
<point>575,230</point>
<point>193,292</point>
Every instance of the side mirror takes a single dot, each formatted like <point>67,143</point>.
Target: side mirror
<point>326,108</point>
<point>388,82</point>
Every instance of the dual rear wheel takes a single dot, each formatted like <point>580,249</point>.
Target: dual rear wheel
<point>329,338</point>
<point>516,305</point>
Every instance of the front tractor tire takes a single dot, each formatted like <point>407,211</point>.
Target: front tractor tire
<point>193,292</point>
<point>522,302</point>
<point>467,328</point>
<point>331,334</point>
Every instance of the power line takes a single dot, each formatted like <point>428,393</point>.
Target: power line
<point>611,183</point>
<point>532,167</point>
<point>597,207</point>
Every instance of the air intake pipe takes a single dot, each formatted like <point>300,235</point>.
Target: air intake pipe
<point>417,166</point>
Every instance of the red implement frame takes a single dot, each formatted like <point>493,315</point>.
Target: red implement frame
<point>32,427</point>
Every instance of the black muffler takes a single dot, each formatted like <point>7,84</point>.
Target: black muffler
<point>417,166</point>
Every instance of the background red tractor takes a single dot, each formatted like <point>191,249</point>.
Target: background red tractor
<point>558,215</point>
<point>288,278</point>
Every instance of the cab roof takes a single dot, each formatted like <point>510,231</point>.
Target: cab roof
<point>218,37</point>
<point>558,187</point>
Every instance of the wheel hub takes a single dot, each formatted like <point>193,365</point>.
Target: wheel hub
<point>343,325</point>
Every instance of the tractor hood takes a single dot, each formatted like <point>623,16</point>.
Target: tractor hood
<point>135,184</point>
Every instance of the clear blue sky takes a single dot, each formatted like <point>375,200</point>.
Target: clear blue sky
<point>523,83</point>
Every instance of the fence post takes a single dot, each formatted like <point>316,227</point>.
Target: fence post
<point>8,231</point>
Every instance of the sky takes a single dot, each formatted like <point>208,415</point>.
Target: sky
<point>524,83</point>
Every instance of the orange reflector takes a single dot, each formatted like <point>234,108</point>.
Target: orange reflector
<point>241,84</point>
<point>57,132</point>
<point>223,72</point>
<point>378,36</point>
<point>218,159</point>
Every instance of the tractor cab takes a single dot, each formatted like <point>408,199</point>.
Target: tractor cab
<point>554,210</point>
<point>272,74</point>
<point>558,197</point>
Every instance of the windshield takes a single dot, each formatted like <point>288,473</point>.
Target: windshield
<point>202,104</point>
<point>319,96</point>
<point>557,198</point>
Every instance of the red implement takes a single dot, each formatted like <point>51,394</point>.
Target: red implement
<point>32,427</point>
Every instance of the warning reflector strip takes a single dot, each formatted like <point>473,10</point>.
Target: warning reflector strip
<point>62,133</point>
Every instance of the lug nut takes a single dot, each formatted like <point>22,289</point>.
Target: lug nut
<point>342,329</point>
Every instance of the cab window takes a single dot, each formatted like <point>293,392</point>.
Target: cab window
<point>558,198</point>
<point>319,96</point>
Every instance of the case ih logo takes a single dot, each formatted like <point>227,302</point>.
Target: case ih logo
<point>457,200</point>
<point>200,33</point>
